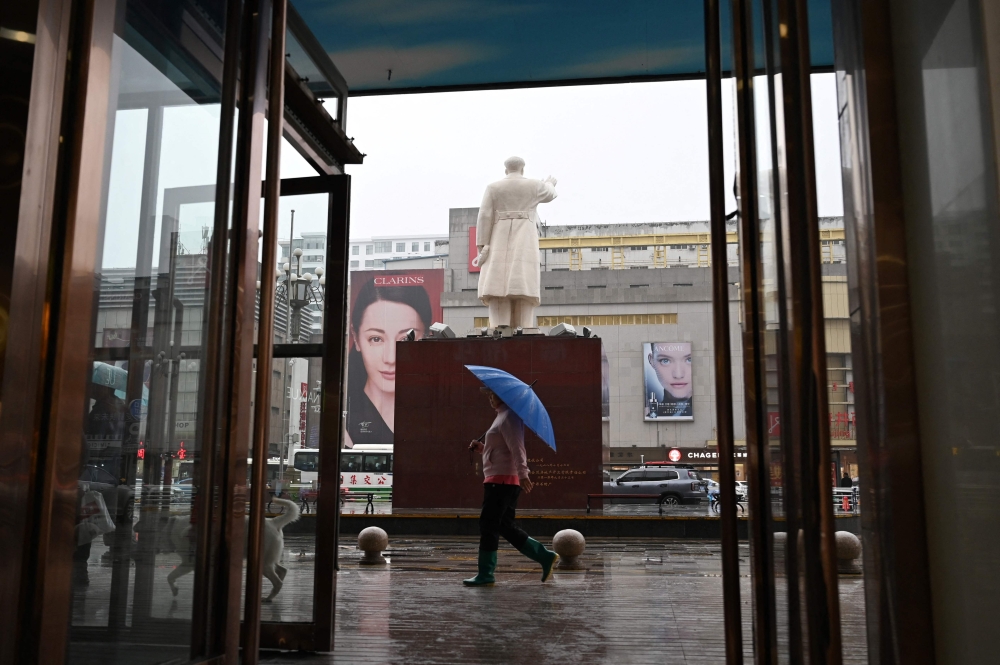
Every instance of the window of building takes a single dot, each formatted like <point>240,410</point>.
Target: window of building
<point>639,248</point>
<point>355,250</point>
<point>369,249</point>
<point>369,264</point>
<point>559,251</point>
<point>379,263</point>
<point>598,249</point>
<point>355,264</point>
<point>427,247</point>
<point>400,246</point>
<point>415,247</point>
<point>383,247</point>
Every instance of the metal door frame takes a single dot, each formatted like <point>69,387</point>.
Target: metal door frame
<point>51,349</point>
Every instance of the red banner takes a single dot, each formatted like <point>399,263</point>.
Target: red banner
<point>473,250</point>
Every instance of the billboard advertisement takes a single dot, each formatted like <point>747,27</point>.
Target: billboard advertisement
<point>384,306</point>
<point>668,381</point>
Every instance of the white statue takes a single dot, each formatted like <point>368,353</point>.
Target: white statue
<point>507,239</point>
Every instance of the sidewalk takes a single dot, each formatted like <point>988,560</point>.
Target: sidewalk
<point>637,601</point>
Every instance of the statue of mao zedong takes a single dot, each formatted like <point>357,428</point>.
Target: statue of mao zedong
<point>507,239</point>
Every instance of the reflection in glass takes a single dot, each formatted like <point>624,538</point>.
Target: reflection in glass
<point>135,540</point>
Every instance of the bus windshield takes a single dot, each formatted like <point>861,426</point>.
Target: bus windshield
<point>307,460</point>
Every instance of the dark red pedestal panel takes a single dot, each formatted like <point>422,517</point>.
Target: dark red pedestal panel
<point>439,410</point>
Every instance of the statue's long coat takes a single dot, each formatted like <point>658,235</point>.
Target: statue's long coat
<point>508,224</point>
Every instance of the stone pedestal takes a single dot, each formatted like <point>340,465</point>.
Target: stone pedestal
<point>569,545</point>
<point>373,541</point>
<point>439,410</point>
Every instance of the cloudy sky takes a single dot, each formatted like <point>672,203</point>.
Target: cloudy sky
<point>623,153</point>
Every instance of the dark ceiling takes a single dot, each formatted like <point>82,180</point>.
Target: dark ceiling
<point>387,46</point>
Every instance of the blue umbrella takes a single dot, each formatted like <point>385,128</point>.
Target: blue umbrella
<point>520,398</point>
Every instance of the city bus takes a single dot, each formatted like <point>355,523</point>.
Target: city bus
<point>367,468</point>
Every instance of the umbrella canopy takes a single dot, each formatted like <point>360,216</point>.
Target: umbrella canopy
<point>520,398</point>
<point>115,377</point>
<point>110,376</point>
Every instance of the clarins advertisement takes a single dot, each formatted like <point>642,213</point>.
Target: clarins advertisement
<point>385,306</point>
<point>669,383</point>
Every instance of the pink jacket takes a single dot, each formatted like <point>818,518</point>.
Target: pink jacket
<point>503,454</point>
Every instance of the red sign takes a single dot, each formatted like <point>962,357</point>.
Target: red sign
<point>773,423</point>
<point>303,409</point>
<point>674,455</point>
<point>473,250</point>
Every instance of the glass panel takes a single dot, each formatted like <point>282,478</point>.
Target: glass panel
<point>292,479</point>
<point>135,539</point>
<point>784,504</point>
<point>307,69</point>
<point>298,316</point>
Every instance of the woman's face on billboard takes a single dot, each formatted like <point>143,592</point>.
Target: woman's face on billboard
<point>672,365</point>
<point>382,325</point>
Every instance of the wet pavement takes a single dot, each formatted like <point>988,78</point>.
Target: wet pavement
<point>634,601</point>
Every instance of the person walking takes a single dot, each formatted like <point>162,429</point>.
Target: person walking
<point>505,468</point>
<point>846,481</point>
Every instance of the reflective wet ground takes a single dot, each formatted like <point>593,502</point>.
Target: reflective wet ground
<point>634,601</point>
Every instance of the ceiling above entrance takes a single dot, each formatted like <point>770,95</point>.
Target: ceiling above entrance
<point>392,46</point>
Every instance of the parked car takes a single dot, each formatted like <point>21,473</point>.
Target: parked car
<point>182,491</point>
<point>673,484</point>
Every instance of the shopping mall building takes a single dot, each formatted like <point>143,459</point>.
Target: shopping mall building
<point>643,283</point>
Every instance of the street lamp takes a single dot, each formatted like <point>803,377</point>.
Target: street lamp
<point>298,290</point>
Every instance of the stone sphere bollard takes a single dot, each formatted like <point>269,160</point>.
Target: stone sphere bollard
<point>372,541</point>
<point>848,552</point>
<point>569,545</point>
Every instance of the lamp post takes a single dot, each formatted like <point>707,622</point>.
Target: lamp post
<point>297,290</point>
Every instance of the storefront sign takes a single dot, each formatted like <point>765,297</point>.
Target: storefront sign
<point>701,455</point>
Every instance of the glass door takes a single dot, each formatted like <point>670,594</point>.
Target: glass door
<point>145,486</point>
<point>306,395</point>
<point>304,432</point>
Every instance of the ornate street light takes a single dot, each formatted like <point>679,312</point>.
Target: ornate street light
<point>297,289</point>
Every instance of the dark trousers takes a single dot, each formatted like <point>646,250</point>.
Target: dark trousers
<point>497,517</point>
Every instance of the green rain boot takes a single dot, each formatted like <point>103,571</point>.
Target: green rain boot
<point>487,564</point>
<point>535,551</point>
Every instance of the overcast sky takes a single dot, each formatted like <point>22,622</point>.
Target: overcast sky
<point>627,153</point>
<point>624,153</point>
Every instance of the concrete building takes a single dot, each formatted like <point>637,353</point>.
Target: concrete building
<point>630,291</point>
<point>373,253</point>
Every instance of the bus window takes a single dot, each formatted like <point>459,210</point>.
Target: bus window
<point>307,461</point>
<point>350,463</point>
<point>377,463</point>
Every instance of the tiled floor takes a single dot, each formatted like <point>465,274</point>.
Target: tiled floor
<point>635,601</point>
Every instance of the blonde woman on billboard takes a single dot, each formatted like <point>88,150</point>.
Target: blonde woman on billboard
<point>382,316</point>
